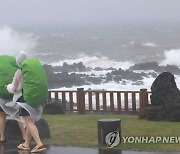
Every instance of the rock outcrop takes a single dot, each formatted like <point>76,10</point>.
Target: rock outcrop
<point>165,100</point>
<point>12,130</point>
<point>74,75</point>
<point>164,90</point>
<point>156,67</point>
<point>54,108</point>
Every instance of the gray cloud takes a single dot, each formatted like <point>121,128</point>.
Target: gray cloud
<point>69,12</point>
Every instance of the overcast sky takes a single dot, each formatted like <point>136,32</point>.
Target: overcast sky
<point>88,12</point>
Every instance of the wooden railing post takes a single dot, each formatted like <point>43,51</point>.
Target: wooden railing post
<point>49,96</point>
<point>56,96</point>
<point>143,99</point>
<point>80,100</point>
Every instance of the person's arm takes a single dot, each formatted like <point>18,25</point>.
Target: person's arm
<point>16,80</point>
<point>12,88</point>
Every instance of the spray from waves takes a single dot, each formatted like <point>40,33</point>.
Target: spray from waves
<point>171,57</point>
<point>95,61</point>
<point>12,42</point>
<point>149,44</point>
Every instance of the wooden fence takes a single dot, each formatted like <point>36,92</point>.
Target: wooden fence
<point>82,101</point>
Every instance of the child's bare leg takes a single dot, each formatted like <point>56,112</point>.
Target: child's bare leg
<point>2,125</point>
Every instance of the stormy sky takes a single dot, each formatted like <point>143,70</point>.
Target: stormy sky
<point>88,12</point>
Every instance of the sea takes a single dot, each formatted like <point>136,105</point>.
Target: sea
<point>117,47</point>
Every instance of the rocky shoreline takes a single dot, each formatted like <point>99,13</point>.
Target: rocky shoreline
<point>76,74</point>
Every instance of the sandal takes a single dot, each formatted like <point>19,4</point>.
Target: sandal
<point>38,149</point>
<point>22,147</point>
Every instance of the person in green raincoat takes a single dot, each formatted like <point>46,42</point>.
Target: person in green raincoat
<point>32,79</point>
<point>8,67</point>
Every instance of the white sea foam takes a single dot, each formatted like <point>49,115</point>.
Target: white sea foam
<point>44,54</point>
<point>147,82</point>
<point>12,41</point>
<point>152,45</point>
<point>113,86</point>
<point>177,79</point>
<point>171,57</point>
<point>132,42</point>
<point>94,73</point>
<point>95,61</point>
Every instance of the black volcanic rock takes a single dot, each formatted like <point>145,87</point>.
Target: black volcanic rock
<point>155,66</point>
<point>75,67</point>
<point>172,68</point>
<point>138,83</point>
<point>118,72</point>
<point>165,100</point>
<point>164,90</point>
<point>109,77</point>
<point>117,78</point>
<point>145,66</point>
<point>54,108</point>
<point>151,113</point>
<point>65,79</point>
<point>79,67</point>
<point>153,74</point>
<point>98,69</point>
<point>168,112</point>
<point>93,80</point>
<point>43,128</point>
<point>68,80</point>
<point>53,80</point>
<point>12,130</point>
<point>57,80</point>
<point>127,74</point>
<point>171,112</point>
<point>111,68</point>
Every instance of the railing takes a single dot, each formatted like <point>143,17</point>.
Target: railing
<point>82,101</point>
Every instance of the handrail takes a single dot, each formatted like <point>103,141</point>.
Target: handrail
<point>82,101</point>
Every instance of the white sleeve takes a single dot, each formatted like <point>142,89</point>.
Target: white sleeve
<point>10,88</point>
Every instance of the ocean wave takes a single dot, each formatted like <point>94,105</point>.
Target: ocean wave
<point>13,42</point>
<point>132,42</point>
<point>152,45</point>
<point>95,61</point>
<point>112,86</point>
<point>171,57</point>
<point>43,54</point>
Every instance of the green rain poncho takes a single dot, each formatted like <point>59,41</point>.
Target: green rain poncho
<point>8,68</point>
<point>35,85</point>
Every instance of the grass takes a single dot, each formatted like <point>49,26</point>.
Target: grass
<point>81,130</point>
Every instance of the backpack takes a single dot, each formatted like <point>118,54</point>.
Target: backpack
<point>35,85</point>
<point>8,68</point>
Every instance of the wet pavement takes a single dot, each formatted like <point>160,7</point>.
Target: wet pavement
<point>11,149</point>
